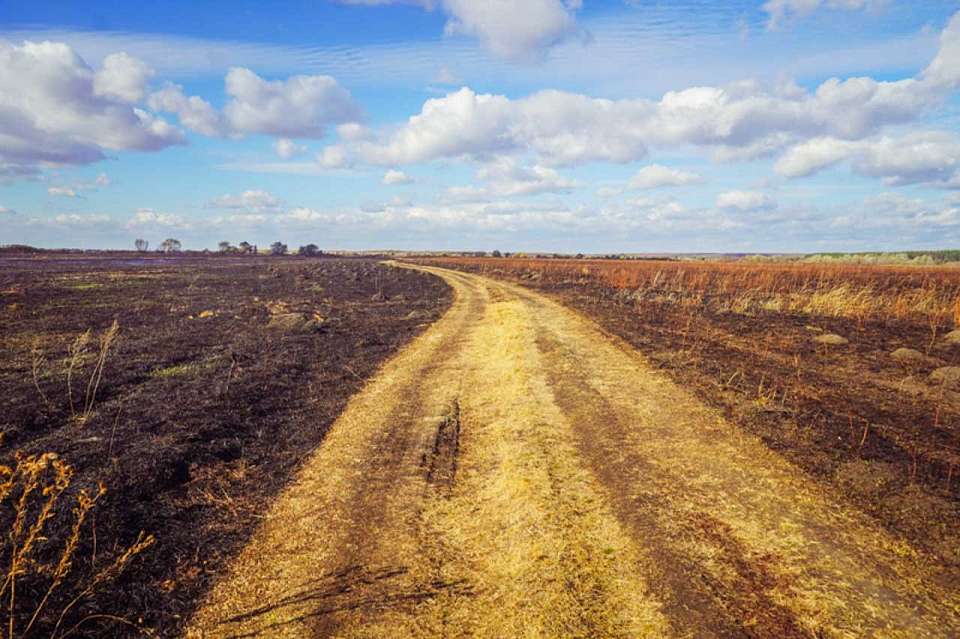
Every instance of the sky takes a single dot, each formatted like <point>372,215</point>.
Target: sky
<point>593,126</point>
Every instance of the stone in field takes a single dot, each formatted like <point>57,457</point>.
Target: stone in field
<point>293,323</point>
<point>909,357</point>
<point>831,339</point>
<point>949,376</point>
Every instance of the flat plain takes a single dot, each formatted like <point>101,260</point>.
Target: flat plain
<point>488,447</point>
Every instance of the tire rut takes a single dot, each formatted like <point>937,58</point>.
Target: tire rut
<point>517,473</point>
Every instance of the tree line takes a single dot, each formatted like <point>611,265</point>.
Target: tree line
<point>173,245</point>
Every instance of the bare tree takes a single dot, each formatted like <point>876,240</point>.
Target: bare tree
<point>170,245</point>
<point>142,245</point>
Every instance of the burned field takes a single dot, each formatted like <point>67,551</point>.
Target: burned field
<point>220,376</point>
<point>847,371</point>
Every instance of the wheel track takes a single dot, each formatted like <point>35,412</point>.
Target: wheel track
<point>515,472</point>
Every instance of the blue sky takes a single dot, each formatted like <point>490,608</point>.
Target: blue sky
<point>551,125</point>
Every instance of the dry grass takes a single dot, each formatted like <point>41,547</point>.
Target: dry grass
<point>81,355</point>
<point>40,590</point>
<point>857,291</point>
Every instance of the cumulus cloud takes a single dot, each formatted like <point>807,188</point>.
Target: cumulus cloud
<point>287,149</point>
<point>518,31</point>
<point>512,30</point>
<point>745,201</point>
<point>252,200</point>
<point>813,155</point>
<point>779,12</point>
<point>301,106</point>
<point>505,177</point>
<point>743,120</point>
<point>740,121</point>
<point>394,177</point>
<point>56,110</point>
<point>123,78</point>
<point>656,175</point>
<point>194,112</point>
<point>922,157</point>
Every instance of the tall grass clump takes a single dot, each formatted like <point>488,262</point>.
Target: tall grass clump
<point>85,351</point>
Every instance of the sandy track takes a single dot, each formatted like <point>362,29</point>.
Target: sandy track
<point>515,472</point>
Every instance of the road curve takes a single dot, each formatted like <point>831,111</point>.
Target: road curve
<point>517,472</point>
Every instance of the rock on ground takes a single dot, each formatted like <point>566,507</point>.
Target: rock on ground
<point>909,357</point>
<point>831,339</point>
<point>949,376</point>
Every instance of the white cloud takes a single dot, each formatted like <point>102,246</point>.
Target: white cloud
<point>76,190</point>
<point>252,200</point>
<point>332,158</point>
<point>150,217</point>
<point>518,31</point>
<point>922,157</point>
<point>944,70</point>
<point>51,112</point>
<point>394,177</point>
<point>656,175</point>
<point>780,12</point>
<point>813,155</point>
<point>745,201</point>
<point>507,177</point>
<point>895,211</point>
<point>287,149</point>
<point>740,121</point>
<point>62,191</point>
<point>301,106</point>
<point>194,112</point>
<point>122,78</point>
<point>78,219</point>
<point>5,211</point>
<point>446,76</point>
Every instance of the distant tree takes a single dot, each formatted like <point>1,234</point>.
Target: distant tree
<point>496,254</point>
<point>142,245</point>
<point>170,245</point>
<point>225,247</point>
<point>579,256</point>
<point>310,250</point>
<point>246,247</point>
<point>278,248</point>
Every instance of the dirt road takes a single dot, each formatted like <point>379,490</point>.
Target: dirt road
<point>515,472</point>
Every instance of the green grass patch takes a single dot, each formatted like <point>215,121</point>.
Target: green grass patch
<point>178,370</point>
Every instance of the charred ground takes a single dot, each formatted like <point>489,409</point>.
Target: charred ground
<point>227,373</point>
